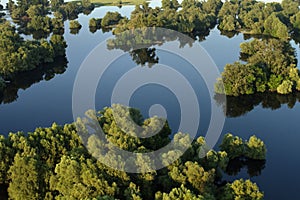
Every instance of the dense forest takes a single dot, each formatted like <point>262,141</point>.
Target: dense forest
<point>53,163</point>
<point>271,65</point>
<point>44,22</point>
<point>268,62</point>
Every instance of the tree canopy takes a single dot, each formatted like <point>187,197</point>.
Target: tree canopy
<point>270,66</point>
<point>18,55</point>
<point>52,163</point>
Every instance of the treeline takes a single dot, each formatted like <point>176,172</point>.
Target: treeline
<point>70,10</point>
<point>52,163</point>
<point>19,55</point>
<point>250,16</point>
<point>279,20</point>
<point>42,17</point>
<point>271,65</point>
<point>191,17</point>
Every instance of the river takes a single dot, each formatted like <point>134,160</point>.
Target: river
<point>273,118</point>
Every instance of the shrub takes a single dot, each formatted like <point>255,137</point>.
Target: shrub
<point>255,149</point>
<point>75,24</point>
<point>285,87</point>
<point>233,146</point>
<point>242,189</point>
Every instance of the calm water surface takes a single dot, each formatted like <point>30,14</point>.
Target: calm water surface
<point>275,120</point>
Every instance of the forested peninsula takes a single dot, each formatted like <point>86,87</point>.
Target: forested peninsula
<point>53,163</point>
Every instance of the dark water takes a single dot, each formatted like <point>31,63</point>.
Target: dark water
<point>273,118</point>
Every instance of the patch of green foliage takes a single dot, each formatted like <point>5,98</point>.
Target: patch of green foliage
<point>270,66</point>
<point>52,163</point>
<point>18,55</point>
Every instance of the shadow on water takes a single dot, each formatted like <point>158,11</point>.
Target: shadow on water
<point>26,79</point>
<point>3,192</point>
<point>254,167</point>
<point>74,31</point>
<point>238,106</point>
<point>140,43</point>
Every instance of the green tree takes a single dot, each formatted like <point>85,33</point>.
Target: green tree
<point>175,4</point>
<point>39,23</point>
<point>185,4</point>
<point>46,52</point>
<point>36,10</point>
<point>290,7</point>
<point>170,4</point>
<point>238,79</point>
<point>132,192</point>
<point>216,160</point>
<point>272,55</point>
<point>6,157</point>
<point>255,148</point>
<point>166,4</point>
<point>26,180</point>
<point>70,10</point>
<point>111,18</point>
<point>295,20</point>
<point>58,21</point>
<point>228,16</point>
<point>200,179</point>
<point>59,44</point>
<point>95,23</point>
<point>182,193</point>
<point>285,87</point>
<point>274,27</point>
<point>241,189</point>
<point>233,146</point>
<point>86,3</point>
<point>274,82</point>
<point>55,4</point>
<point>10,43</point>
<point>78,179</point>
<point>74,24</point>
<point>212,6</point>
